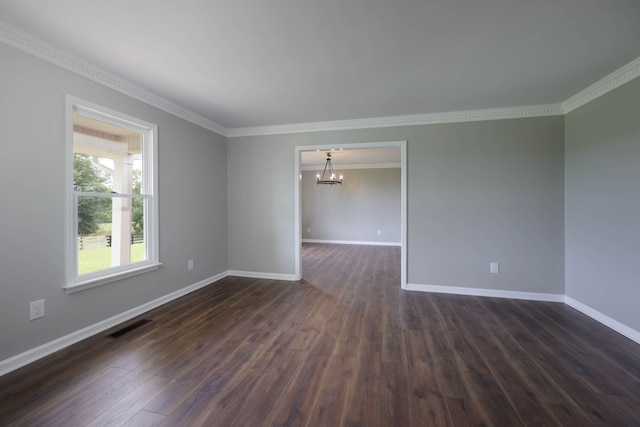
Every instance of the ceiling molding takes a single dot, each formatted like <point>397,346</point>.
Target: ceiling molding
<point>318,167</point>
<point>37,47</point>
<point>43,50</point>
<point>411,120</point>
<point>603,86</point>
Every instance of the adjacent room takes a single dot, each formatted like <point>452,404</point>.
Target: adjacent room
<point>319,214</point>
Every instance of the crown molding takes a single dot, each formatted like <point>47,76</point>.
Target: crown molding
<point>603,86</point>
<point>409,120</point>
<point>30,44</point>
<point>37,47</point>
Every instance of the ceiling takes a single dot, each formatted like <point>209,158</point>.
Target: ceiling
<point>262,63</point>
<point>352,158</point>
<point>102,127</point>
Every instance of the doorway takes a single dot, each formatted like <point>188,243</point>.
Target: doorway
<point>402,145</point>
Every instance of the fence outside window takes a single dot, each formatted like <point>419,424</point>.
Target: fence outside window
<point>96,242</point>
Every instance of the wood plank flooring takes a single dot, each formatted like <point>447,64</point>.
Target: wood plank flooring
<point>344,347</point>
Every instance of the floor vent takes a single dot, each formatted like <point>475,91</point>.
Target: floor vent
<point>127,329</point>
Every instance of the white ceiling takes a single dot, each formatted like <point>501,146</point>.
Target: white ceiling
<point>353,158</point>
<point>256,63</point>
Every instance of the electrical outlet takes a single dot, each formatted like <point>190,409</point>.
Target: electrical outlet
<point>379,232</point>
<point>308,230</point>
<point>36,309</point>
<point>493,268</point>
<point>190,265</point>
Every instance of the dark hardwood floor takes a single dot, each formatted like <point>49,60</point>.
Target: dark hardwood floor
<point>345,347</point>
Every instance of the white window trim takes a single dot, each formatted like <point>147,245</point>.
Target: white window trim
<point>150,131</point>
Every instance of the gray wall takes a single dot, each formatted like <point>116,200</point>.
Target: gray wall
<point>367,201</point>
<point>602,204</point>
<point>477,192</point>
<point>192,194</point>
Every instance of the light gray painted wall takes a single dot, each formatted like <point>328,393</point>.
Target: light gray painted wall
<point>367,201</point>
<point>477,192</point>
<point>602,202</point>
<point>192,194</point>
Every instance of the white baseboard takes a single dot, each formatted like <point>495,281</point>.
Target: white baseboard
<point>531,296</point>
<point>352,242</point>
<point>259,275</point>
<point>621,328</point>
<point>51,347</point>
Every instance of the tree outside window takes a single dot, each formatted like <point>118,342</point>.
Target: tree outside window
<point>114,229</point>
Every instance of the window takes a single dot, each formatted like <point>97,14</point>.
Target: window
<point>112,196</point>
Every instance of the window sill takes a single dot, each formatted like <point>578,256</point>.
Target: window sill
<point>92,283</point>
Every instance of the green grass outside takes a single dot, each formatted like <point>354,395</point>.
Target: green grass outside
<point>91,260</point>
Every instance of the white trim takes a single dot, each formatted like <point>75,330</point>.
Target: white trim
<point>603,86</point>
<point>30,44</point>
<point>104,279</point>
<point>297,217</point>
<point>403,216</point>
<point>37,47</point>
<point>621,328</point>
<point>297,240</point>
<point>410,120</point>
<point>51,347</point>
<point>352,242</point>
<point>149,132</point>
<point>493,293</point>
<point>32,355</point>
<point>260,275</point>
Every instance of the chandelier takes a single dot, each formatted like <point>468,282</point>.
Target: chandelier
<point>332,175</point>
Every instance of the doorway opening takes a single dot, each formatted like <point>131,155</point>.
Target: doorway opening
<point>298,232</point>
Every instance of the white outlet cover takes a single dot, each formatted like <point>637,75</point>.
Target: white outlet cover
<point>190,264</point>
<point>493,268</point>
<point>36,309</point>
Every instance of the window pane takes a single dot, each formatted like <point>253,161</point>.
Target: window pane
<point>137,230</point>
<point>88,176</point>
<point>106,157</point>
<point>107,234</point>
<point>112,227</point>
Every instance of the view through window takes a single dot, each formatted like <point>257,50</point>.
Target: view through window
<point>112,194</point>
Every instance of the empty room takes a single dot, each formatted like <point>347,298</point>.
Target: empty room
<point>361,213</point>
